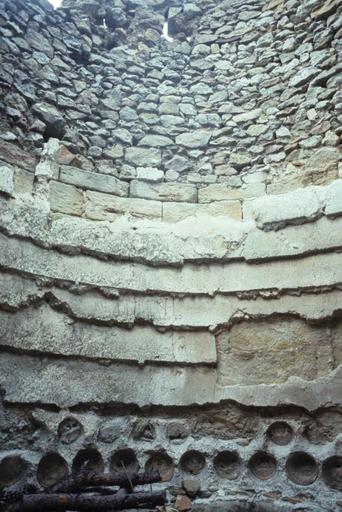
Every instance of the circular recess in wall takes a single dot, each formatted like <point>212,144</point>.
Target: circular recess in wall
<point>162,462</point>
<point>192,462</point>
<point>263,465</point>
<point>69,430</point>
<point>88,459</point>
<point>301,468</point>
<point>280,433</point>
<point>12,469</point>
<point>124,458</point>
<point>332,472</point>
<point>227,464</point>
<point>51,469</point>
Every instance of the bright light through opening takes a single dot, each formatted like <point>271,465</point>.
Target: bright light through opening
<point>55,3</point>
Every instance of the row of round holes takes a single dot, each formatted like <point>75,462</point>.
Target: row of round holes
<point>301,467</point>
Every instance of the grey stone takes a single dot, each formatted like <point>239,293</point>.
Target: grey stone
<point>195,139</point>
<point>164,191</point>
<point>143,156</point>
<point>157,141</point>
<point>93,181</point>
<point>6,180</point>
<point>51,117</point>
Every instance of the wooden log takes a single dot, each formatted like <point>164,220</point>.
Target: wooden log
<point>90,503</point>
<point>90,479</point>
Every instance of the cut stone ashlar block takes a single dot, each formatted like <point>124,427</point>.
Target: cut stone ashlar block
<point>66,198</point>
<point>93,181</point>
<point>175,212</point>
<point>6,180</point>
<point>179,192</point>
<point>99,206</point>
<point>223,192</point>
<point>273,212</point>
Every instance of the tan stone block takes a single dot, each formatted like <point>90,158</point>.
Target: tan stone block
<point>222,192</point>
<point>175,212</point>
<point>66,198</point>
<point>273,350</point>
<point>23,181</point>
<point>107,207</point>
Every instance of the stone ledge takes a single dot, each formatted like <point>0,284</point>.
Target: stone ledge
<point>47,331</point>
<point>301,205</point>
<point>105,307</point>
<point>191,279</point>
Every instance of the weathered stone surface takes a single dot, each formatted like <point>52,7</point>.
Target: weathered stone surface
<point>66,198</point>
<point>52,117</point>
<point>14,155</point>
<point>290,347</point>
<point>180,211</point>
<point>223,192</point>
<point>196,139</point>
<point>46,331</point>
<point>93,181</point>
<point>150,157</point>
<point>333,199</point>
<point>156,141</point>
<point>23,181</point>
<point>6,180</point>
<point>234,277</point>
<point>164,191</point>
<point>100,206</point>
<point>62,382</point>
<point>274,212</point>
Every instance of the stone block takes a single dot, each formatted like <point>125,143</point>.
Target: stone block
<point>14,155</point>
<point>333,199</point>
<point>141,157</point>
<point>175,212</point>
<point>66,198</point>
<point>149,174</point>
<point>274,212</point>
<point>273,350</point>
<point>223,192</point>
<point>195,139</point>
<point>180,192</point>
<point>23,181</point>
<point>100,206</point>
<point>6,180</point>
<point>93,181</point>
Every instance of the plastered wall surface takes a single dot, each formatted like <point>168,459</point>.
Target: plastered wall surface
<point>170,246</point>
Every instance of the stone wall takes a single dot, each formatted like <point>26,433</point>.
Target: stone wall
<point>170,234</point>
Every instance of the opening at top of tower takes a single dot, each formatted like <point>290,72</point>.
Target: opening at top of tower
<point>55,3</point>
